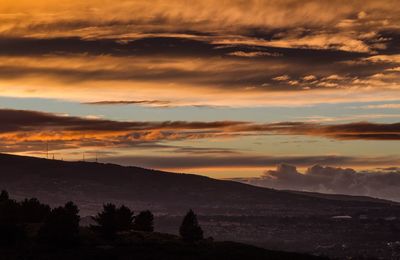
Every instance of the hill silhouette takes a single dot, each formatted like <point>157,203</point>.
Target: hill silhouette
<point>89,184</point>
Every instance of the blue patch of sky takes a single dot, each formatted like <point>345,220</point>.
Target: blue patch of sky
<point>343,112</point>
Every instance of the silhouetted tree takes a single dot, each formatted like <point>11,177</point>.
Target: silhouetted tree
<point>112,220</point>
<point>4,196</point>
<point>107,221</point>
<point>32,211</point>
<point>124,218</point>
<point>11,232</point>
<point>9,209</point>
<point>61,227</point>
<point>144,221</point>
<point>190,229</point>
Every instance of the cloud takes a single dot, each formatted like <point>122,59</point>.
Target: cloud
<point>236,54</point>
<point>381,106</point>
<point>179,11</point>
<point>32,121</point>
<point>334,77</point>
<point>91,19</point>
<point>395,69</point>
<point>246,161</point>
<point>309,77</point>
<point>350,131</point>
<point>209,51</point>
<point>282,78</point>
<point>150,103</point>
<point>253,54</point>
<point>205,74</point>
<point>26,121</point>
<point>382,184</point>
<point>28,130</point>
<point>395,58</point>
<point>319,41</point>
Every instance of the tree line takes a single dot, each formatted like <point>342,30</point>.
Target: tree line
<point>30,219</point>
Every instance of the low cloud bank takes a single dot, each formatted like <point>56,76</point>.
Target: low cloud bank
<point>383,183</point>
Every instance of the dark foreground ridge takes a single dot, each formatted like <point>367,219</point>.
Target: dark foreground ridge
<point>140,245</point>
<point>32,230</point>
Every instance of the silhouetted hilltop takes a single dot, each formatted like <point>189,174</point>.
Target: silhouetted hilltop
<point>89,184</point>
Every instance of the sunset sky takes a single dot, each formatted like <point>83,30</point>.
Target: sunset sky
<point>220,88</point>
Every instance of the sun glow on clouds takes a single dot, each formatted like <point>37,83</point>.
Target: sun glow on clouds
<point>195,54</point>
<point>199,82</point>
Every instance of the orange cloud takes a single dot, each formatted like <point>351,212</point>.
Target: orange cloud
<point>33,128</point>
<point>338,25</point>
<point>206,81</point>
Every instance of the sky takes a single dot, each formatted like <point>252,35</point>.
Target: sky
<point>224,88</point>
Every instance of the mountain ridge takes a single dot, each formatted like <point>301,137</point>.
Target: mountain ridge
<point>53,180</point>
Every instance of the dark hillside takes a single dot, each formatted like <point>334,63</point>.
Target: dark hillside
<point>90,184</point>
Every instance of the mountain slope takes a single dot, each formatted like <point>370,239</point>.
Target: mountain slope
<point>91,184</point>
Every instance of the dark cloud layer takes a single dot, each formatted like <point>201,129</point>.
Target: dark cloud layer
<point>169,46</point>
<point>28,129</point>
<point>25,121</point>
<point>382,183</point>
<point>234,74</point>
<point>350,131</point>
<point>233,161</point>
<point>75,45</point>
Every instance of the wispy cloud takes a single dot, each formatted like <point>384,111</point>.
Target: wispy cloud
<point>381,106</point>
<point>253,54</point>
<point>151,103</point>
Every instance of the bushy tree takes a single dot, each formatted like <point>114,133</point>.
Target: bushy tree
<point>106,221</point>
<point>112,220</point>
<point>61,227</point>
<point>124,218</point>
<point>4,196</point>
<point>9,211</point>
<point>144,221</point>
<point>11,232</point>
<point>32,211</point>
<point>190,229</point>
